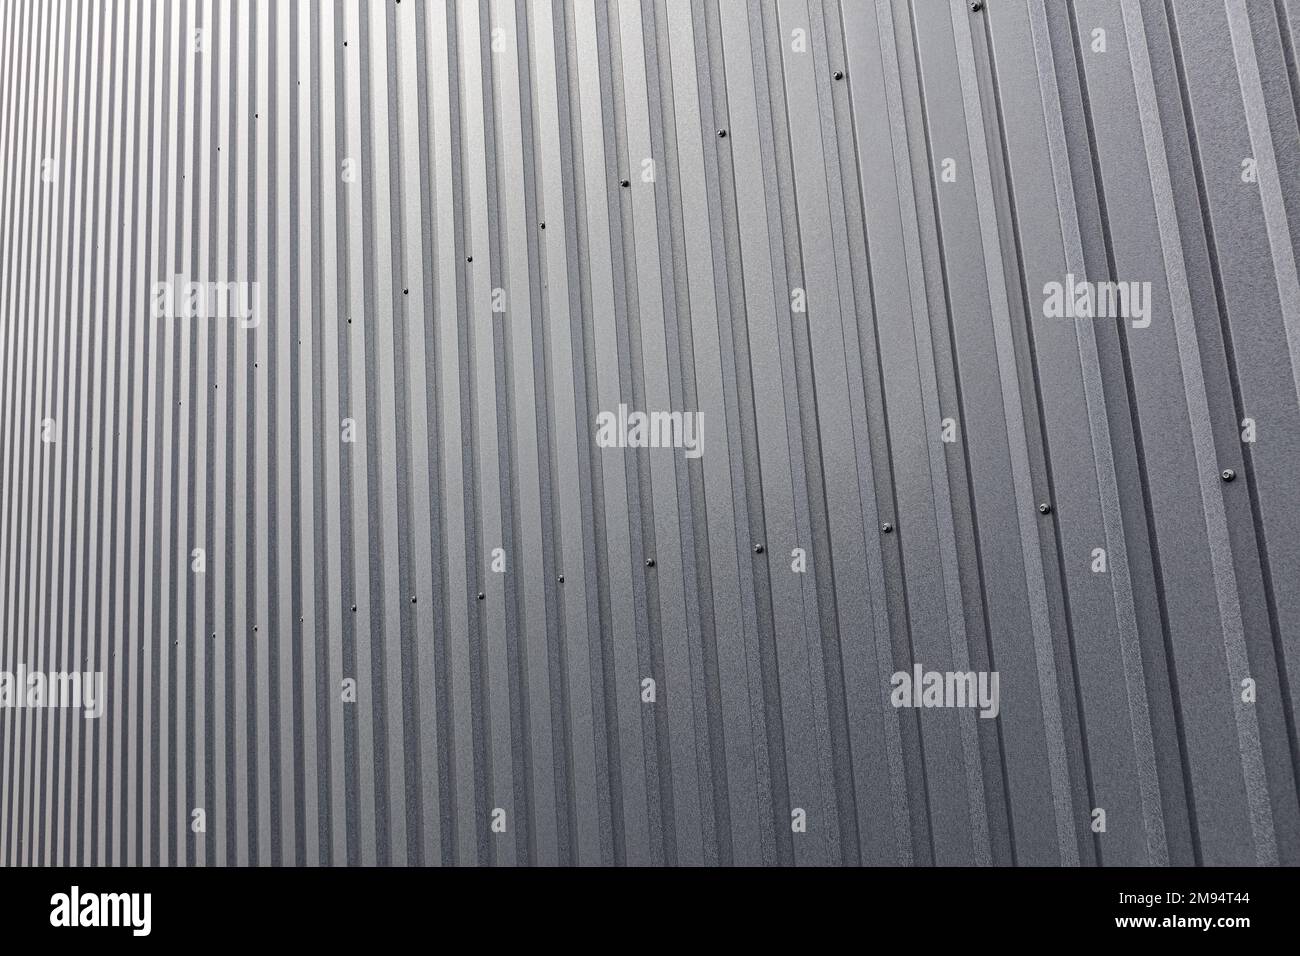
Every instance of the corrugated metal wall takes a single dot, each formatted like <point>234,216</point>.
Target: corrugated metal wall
<point>828,227</point>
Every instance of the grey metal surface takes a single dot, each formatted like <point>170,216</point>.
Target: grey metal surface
<point>430,199</point>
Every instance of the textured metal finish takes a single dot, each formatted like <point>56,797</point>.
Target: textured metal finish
<point>366,584</point>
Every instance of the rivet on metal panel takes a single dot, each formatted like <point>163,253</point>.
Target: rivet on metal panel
<point>543,225</point>
<point>481,595</point>
<point>561,579</point>
<point>838,74</point>
<point>1228,474</point>
<point>976,6</point>
<point>469,258</point>
<point>649,562</point>
<point>887,528</point>
<point>1045,508</point>
<point>354,609</point>
<point>624,183</point>
<point>759,549</point>
<point>722,134</point>
<point>412,596</point>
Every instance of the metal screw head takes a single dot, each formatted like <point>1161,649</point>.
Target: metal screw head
<point>412,598</point>
<point>649,562</point>
<point>624,183</point>
<point>722,134</point>
<point>481,595</point>
<point>887,528</point>
<point>1228,474</point>
<point>976,6</point>
<point>838,74</point>
<point>759,549</point>
<point>561,579</point>
<point>1044,509</point>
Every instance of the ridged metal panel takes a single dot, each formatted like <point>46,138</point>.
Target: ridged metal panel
<point>430,198</point>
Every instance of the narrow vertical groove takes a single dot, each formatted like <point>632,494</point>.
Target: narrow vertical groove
<point>1261,820</point>
<point>1048,686</point>
<point>1103,459</point>
<point>765,699</point>
<point>521,800</point>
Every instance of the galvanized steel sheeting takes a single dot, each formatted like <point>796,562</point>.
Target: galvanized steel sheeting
<point>462,255</point>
